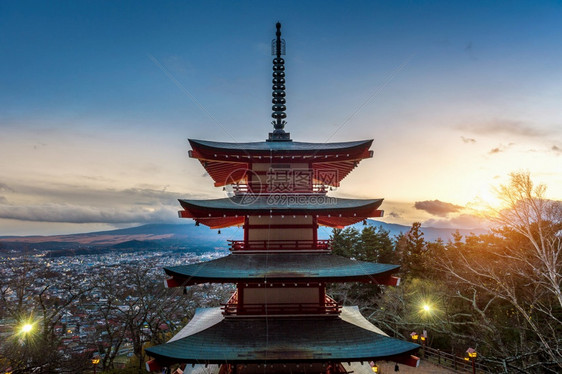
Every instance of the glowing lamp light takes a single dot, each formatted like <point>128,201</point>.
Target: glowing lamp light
<point>374,367</point>
<point>471,352</point>
<point>26,328</point>
<point>414,336</point>
<point>95,360</point>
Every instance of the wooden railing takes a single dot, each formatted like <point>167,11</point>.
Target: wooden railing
<point>279,245</point>
<point>232,307</point>
<point>450,361</point>
<point>264,188</point>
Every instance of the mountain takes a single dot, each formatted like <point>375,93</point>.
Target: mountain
<point>181,236</point>
<point>430,233</point>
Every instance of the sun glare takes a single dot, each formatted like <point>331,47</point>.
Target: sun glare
<point>485,202</point>
<point>26,328</point>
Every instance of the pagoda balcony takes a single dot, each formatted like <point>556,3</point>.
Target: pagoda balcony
<point>280,245</point>
<point>234,308</point>
<point>317,368</point>
<point>265,189</point>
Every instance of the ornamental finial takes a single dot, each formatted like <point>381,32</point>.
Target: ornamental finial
<point>279,115</point>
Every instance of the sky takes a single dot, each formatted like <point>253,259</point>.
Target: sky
<point>98,98</point>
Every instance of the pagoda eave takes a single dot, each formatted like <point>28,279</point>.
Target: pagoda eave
<point>332,212</point>
<point>162,360</point>
<point>228,163</point>
<point>204,149</point>
<point>281,340</point>
<point>183,281</point>
<point>282,268</point>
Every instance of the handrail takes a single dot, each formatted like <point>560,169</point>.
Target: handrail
<point>330,306</point>
<point>260,188</point>
<point>234,298</point>
<point>450,361</point>
<point>239,245</point>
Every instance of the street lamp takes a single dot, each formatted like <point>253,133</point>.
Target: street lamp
<point>95,362</point>
<point>414,336</point>
<point>26,328</point>
<point>472,356</point>
<point>374,367</point>
<point>425,310</point>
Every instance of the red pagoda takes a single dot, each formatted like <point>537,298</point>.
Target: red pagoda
<point>280,319</point>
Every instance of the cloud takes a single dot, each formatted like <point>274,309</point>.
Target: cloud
<point>506,126</point>
<point>500,148</point>
<point>5,188</point>
<point>87,214</point>
<point>394,215</point>
<point>556,149</point>
<point>39,145</point>
<point>68,203</point>
<point>437,208</point>
<point>468,140</point>
<point>465,221</point>
<point>85,195</point>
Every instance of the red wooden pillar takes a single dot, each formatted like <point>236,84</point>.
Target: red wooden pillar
<point>246,228</point>
<point>239,307</point>
<point>314,232</point>
<point>322,295</point>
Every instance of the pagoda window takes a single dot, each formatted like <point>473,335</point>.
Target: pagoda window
<point>280,228</point>
<point>281,295</point>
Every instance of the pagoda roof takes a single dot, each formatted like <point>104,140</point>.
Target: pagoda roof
<point>229,163</point>
<point>259,267</point>
<point>290,146</point>
<point>331,211</point>
<point>210,338</point>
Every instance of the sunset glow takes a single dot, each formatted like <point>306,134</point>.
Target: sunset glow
<point>98,104</point>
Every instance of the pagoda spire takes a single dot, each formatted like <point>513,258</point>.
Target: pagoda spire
<point>279,115</point>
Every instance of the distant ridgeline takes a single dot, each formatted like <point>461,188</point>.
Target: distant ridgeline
<point>167,237</point>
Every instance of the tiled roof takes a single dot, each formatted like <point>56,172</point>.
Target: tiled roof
<point>252,267</point>
<point>282,202</point>
<point>280,146</point>
<point>271,340</point>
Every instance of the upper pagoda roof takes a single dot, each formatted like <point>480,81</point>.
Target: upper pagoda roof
<point>281,267</point>
<point>281,203</point>
<point>290,146</point>
<point>228,163</point>
<point>331,211</point>
<point>280,340</point>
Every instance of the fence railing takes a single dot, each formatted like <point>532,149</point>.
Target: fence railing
<point>450,361</point>
<point>259,188</point>
<point>233,307</point>
<point>279,245</point>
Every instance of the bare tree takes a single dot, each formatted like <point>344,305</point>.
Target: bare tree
<point>516,271</point>
<point>36,304</point>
